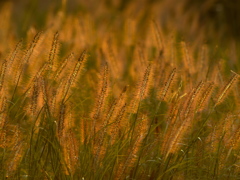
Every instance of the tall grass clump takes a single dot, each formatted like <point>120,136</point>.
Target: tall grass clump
<point>87,98</point>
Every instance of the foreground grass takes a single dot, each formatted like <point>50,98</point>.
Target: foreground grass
<point>85,103</point>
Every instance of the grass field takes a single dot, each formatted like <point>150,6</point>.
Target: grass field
<point>110,93</point>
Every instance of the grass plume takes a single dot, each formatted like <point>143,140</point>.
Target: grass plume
<point>139,103</point>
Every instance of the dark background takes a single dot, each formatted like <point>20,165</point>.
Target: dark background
<point>215,20</point>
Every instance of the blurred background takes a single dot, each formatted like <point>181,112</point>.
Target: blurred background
<point>208,20</point>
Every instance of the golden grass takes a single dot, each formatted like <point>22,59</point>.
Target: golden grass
<point>132,105</point>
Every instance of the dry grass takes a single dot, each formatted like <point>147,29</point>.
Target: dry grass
<point>129,105</point>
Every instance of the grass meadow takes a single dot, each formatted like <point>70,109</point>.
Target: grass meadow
<point>87,96</point>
